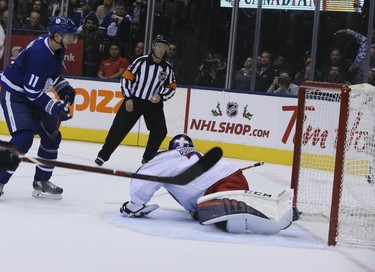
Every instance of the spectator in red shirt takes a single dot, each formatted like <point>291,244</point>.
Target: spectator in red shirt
<point>115,65</point>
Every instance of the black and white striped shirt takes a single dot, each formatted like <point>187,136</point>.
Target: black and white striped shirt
<point>145,78</point>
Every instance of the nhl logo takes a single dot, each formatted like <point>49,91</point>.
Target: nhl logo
<point>162,76</point>
<point>232,109</point>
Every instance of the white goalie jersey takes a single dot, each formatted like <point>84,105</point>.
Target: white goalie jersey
<point>171,163</point>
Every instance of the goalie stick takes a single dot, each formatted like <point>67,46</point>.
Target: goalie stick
<point>252,166</point>
<point>197,169</point>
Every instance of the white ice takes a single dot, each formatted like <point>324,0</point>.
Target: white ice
<point>85,232</point>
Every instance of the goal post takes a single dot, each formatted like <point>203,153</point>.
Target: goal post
<point>334,152</point>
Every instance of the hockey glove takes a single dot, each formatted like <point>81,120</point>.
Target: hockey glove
<point>67,94</point>
<point>61,111</point>
<point>9,159</point>
<point>130,209</point>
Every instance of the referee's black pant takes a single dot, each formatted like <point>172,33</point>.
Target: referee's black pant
<point>124,121</point>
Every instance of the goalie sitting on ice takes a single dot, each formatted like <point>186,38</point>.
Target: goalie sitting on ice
<point>220,196</point>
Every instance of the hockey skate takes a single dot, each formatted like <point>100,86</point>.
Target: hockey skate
<point>99,161</point>
<point>46,189</point>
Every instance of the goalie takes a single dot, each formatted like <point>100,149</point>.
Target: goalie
<point>220,196</point>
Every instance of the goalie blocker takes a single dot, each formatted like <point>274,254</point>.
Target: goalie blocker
<point>245,210</point>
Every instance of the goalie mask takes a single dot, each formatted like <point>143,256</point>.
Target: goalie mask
<point>180,140</point>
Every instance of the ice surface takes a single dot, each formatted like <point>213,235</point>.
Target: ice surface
<point>85,232</point>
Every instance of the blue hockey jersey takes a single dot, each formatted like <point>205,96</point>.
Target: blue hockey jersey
<point>35,71</point>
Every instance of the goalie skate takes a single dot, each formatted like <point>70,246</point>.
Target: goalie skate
<point>46,189</point>
<point>1,189</point>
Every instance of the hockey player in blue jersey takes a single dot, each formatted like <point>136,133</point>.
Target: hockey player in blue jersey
<point>27,107</point>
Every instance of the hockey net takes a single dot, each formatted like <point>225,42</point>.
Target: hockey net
<point>333,163</point>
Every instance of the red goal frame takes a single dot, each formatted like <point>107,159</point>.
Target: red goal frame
<point>341,139</point>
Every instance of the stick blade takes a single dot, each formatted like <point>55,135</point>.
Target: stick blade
<point>197,169</point>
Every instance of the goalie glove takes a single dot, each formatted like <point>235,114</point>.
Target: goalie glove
<point>130,209</point>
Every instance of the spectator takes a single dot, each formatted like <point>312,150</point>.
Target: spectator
<point>92,37</point>
<point>242,78</point>
<point>117,25</point>
<point>102,10</point>
<point>55,8</point>
<point>21,9</point>
<point>265,72</point>
<point>357,67</point>
<point>282,84</point>
<point>302,75</point>
<point>38,6</point>
<point>33,22</point>
<point>336,59</point>
<point>177,63</point>
<point>80,16</point>
<point>138,11</point>
<point>3,5</point>
<point>259,61</point>
<point>335,75</point>
<point>4,20</point>
<point>138,51</point>
<point>211,73</point>
<point>371,76</point>
<point>73,8</point>
<point>279,63</point>
<point>372,57</point>
<point>114,66</point>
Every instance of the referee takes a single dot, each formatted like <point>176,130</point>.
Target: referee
<point>146,83</point>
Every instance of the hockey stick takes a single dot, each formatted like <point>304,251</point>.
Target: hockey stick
<point>166,193</point>
<point>252,166</point>
<point>197,169</point>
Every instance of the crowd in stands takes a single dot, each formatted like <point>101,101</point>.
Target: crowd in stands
<point>272,75</point>
<point>113,31</point>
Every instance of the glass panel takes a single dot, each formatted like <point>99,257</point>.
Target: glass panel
<point>243,58</point>
<point>200,31</point>
<point>342,46</point>
<point>284,45</point>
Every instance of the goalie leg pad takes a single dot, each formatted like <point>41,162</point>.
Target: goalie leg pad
<point>262,212</point>
<point>238,216</point>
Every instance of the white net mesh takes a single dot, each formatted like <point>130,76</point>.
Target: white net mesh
<point>356,218</point>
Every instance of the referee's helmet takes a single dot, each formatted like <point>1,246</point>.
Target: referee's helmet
<point>161,39</point>
<point>180,140</point>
